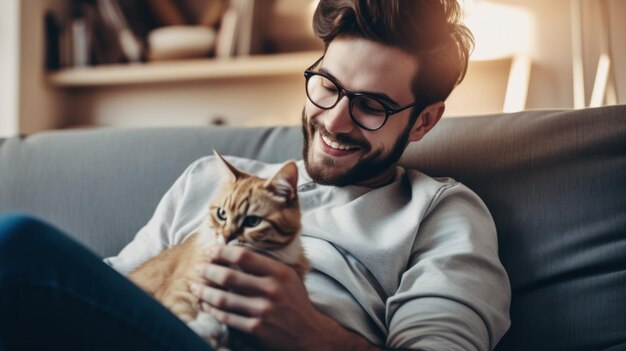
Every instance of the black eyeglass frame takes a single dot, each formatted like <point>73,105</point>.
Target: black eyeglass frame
<point>309,73</point>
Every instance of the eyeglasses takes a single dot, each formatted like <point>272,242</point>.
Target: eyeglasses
<point>366,110</point>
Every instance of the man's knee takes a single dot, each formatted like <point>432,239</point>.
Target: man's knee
<point>17,230</point>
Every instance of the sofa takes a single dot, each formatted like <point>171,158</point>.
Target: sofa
<point>554,181</point>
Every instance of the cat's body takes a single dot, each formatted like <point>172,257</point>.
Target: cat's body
<point>260,214</point>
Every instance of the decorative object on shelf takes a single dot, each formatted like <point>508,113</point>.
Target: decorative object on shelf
<point>243,28</point>
<point>180,42</point>
<point>118,22</point>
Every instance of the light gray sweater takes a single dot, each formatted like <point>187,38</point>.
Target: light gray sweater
<point>413,264</point>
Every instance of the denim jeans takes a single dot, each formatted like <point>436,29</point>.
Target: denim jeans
<point>57,295</point>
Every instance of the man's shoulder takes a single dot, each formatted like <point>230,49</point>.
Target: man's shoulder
<point>207,165</point>
<point>438,188</point>
<point>420,180</point>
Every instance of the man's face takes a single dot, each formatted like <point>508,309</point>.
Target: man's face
<point>336,150</point>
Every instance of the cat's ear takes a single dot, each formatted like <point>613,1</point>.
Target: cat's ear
<point>285,181</point>
<point>228,172</point>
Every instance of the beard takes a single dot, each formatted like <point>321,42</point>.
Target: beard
<point>326,172</point>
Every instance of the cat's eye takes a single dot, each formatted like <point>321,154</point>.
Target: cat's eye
<point>251,221</point>
<point>221,214</point>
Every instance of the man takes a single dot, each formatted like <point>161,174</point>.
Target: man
<point>399,260</point>
<point>437,284</point>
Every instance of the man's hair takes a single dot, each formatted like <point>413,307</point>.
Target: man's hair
<point>428,29</point>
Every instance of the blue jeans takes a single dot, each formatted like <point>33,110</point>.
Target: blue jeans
<point>57,295</point>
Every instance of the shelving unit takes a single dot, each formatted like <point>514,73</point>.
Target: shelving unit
<point>241,91</point>
<point>284,64</point>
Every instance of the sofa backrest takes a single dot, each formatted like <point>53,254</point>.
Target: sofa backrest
<point>555,182</point>
<point>102,185</point>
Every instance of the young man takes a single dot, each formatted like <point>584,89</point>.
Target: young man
<point>399,260</point>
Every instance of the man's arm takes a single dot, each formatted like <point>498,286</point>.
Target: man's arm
<point>267,299</point>
<point>455,293</point>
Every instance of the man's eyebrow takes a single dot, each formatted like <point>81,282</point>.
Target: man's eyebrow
<point>380,96</point>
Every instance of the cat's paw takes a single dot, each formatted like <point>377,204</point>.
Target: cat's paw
<point>210,329</point>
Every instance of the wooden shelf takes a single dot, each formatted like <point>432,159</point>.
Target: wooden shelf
<point>184,70</point>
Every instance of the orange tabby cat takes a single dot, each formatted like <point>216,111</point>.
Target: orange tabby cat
<point>261,214</point>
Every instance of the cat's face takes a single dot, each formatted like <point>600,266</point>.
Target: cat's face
<point>254,212</point>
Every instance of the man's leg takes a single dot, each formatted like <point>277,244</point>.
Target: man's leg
<point>55,294</point>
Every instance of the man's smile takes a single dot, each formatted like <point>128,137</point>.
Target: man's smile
<point>335,146</point>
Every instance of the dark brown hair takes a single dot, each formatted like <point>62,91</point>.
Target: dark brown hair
<point>428,29</point>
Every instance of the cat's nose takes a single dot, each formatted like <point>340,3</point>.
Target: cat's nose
<point>231,236</point>
<point>233,243</point>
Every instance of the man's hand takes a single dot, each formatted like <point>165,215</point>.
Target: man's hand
<point>267,299</point>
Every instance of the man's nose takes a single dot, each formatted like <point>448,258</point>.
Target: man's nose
<point>337,120</point>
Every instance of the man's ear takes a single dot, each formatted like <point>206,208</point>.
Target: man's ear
<point>427,120</point>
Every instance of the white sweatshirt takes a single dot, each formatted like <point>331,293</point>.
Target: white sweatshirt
<point>413,264</point>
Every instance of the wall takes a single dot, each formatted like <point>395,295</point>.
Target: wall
<point>233,101</point>
<point>9,59</point>
<point>551,78</point>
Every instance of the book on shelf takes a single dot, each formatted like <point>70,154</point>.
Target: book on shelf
<point>52,43</point>
<point>167,12</point>
<point>74,41</point>
<point>254,34</point>
<point>227,35</point>
<point>102,32</point>
<point>241,29</point>
<point>117,31</point>
<point>246,27</point>
<point>81,38</point>
<point>116,21</point>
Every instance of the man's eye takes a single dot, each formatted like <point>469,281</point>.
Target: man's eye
<point>329,86</point>
<point>251,221</point>
<point>369,106</point>
<point>221,214</point>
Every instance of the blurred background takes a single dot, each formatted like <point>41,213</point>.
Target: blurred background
<point>154,63</point>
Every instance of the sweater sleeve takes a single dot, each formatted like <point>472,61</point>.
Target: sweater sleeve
<point>455,293</point>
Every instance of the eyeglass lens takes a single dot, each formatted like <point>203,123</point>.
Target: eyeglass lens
<point>366,112</point>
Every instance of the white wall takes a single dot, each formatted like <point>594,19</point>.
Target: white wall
<point>9,27</point>
<point>551,78</point>
<point>258,101</point>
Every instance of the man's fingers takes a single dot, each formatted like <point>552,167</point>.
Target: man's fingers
<point>229,302</point>
<point>230,278</point>
<point>247,260</point>
<point>250,325</point>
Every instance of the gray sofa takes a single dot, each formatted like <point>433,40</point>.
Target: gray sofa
<point>555,182</point>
